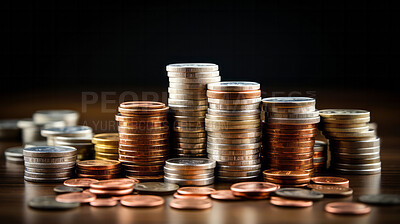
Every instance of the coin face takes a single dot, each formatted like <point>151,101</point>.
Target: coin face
<point>14,151</point>
<point>156,187</point>
<point>196,190</point>
<point>344,113</point>
<point>50,151</point>
<point>121,183</point>
<point>347,208</point>
<point>298,193</point>
<point>331,180</point>
<point>142,201</point>
<point>381,199</point>
<point>66,130</point>
<point>80,182</point>
<point>50,203</point>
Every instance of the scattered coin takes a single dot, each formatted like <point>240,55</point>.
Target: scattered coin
<point>351,208</point>
<point>81,197</point>
<point>65,189</point>
<point>156,188</point>
<point>190,203</point>
<point>299,194</point>
<point>380,199</point>
<point>114,184</point>
<point>184,196</point>
<point>142,201</point>
<point>284,202</point>
<point>224,195</point>
<point>50,203</point>
<point>196,190</point>
<point>80,182</point>
<point>104,202</point>
<point>331,190</point>
<point>339,181</point>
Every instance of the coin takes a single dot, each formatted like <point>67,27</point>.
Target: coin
<point>225,195</point>
<point>98,164</point>
<point>289,102</point>
<point>195,190</point>
<point>290,203</point>
<point>80,182</point>
<point>113,184</point>
<point>331,190</point>
<point>234,95</point>
<point>142,201</point>
<point>344,113</point>
<point>104,202</point>
<point>109,139</point>
<point>339,181</point>
<point>300,194</point>
<point>50,203</point>
<point>193,75</point>
<point>182,196</point>
<point>190,203</point>
<point>192,163</point>
<point>156,187</point>
<point>49,151</point>
<point>16,152</point>
<point>352,208</point>
<point>254,187</point>
<point>117,192</point>
<point>235,102</point>
<point>190,182</point>
<point>192,67</point>
<point>380,199</point>
<point>81,197</point>
<point>65,189</point>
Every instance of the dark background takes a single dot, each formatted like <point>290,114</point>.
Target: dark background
<point>52,51</point>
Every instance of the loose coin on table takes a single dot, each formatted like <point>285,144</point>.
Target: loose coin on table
<point>81,197</point>
<point>142,201</point>
<point>284,202</point>
<point>350,208</point>
<point>156,188</point>
<point>196,190</point>
<point>80,182</point>
<point>338,181</point>
<point>190,203</point>
<point>253,190</point>
<point>66,189</point>
<point>331,190</point>
<point>299,194</point>
<point>104,202</point>
<point>224,195</point>
<point>50,203</point>
<point>381,199</point>
<point>14,154</point>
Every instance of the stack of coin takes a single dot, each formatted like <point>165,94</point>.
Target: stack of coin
<point>188,103</point>
<point>143,139</point>
<point>233,128</point>
<point>98,169</point>
<point>253,190</point>
<point>320,156</point>
<point>70,117</point>
<point>14,154</point>
<point>84,145</point>
<point>189,171</point>
<point>287,178</point>
<point>71,131</point>
<point>353,145</point>
<point>106,146</point>
<point>117,187</point>
<point>289,129</point>
<point>49,163</point>
<point>31,130</point>
<point>9,129</point>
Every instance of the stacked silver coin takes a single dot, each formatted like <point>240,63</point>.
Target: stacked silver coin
<point>70,117</point>
<point>84,145</point>
<point>31,130</point>
<point>71,131</point>
<point>189,171</point>
<point>14,154</point>
<point>354,146</point>
<point>49,163</point>
<point>188,103</point>
<point>35,144</point>
<point>320,156</point>
<point>9,129</point>
<point>233,128</point>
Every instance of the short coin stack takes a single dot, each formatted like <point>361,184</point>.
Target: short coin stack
<point>320,156</point>
<point>49,163</point>
<point>70,131</point>
<point>106,146</point>
<point>233,128</point>
<point>70,117</point>
<point>188,103</point>
<point>189,171</point>
<point>14,154</point>
<point>289,133</point>
<point>143,139</point>
<point>287,178</point>
<point>117,187</point>
<point>84,145</point>
<point>353,145</point>
<point>98,169</point>
<point>253,190</point>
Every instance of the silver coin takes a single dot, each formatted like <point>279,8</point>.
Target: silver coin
<point>156,187</point>
<point>49,159</point>
<point>50,203</point>
<point>186,91</point>
<point>48,175</point>
<point>16,151</point>
<point>346,121</point>
<point>66,130</point>
<point>193,75</point>
<point>50,151</point>
<point>187,96</point>
<point>14,159</point>
<point>358,166</point>
<point>194,86</point>
<point>381,199</point>
<point>251,173</point>
<point>72,140</point>
<point>196,80</point>
<point>356,156</point>
<point>224,158</point>
<point>293,115</point>
<point>188,108</point>
<point>239,168</point>
<point>290,101</point>
<point>239,163</point>
<point>188,172</point>
<point>35,144</point>
<point>245,133</point>
<point>222,127</point>
<point>235,107</point>
<point>188,102</point>
<point>269,108</point>
<point>232,113</point>
<point>360,172</point>
<point>344,113</point>
<point>233,118</point>
<point>44,180</point>
<point>192,67</point>
<point>234,86</point>
<point>188,177</point>
<point>50,165</point>
<point>294,121</point>
<point>214,146</point>
<point>50,170</point>
<point>356,151</point>
<point>235,102</point>
<point>232,140</point>
<point>65,189</point>
<point>186,182</point>
<point>190,164</point>
<point>299,194</point>
<point>233,152</point>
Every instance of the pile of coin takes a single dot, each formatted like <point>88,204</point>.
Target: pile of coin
<point>14,154</point>
<point>354,147</point>
<point>320,157</point>
<point>188,103</point>
<point>254,190</point>
<point>117,187</point>
<point>189,171</point>
<point>49,163</point>
<point>98,169</point>
<point>70,117</point>
<point>143,139</point>
<point>289,129</point>
<point>234,129</point>
<point>287,178</point>
<point>31,130</point>
<point>84,145</point>
<point>106,146</point>
<point>70,131</point>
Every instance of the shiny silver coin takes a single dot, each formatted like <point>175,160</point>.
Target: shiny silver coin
<point>232,113</point>
<point>235,86</point>
<point>299,194</point>
<point>193,182</point>
<point>233,158</point>
<point>235,102</point>
<point>186,97</point>
<point>73,140</point>
<point>49,159</point>
<point>188,176</point>
<point>48,175</point>
<point>239,168</point>
<point>188,172</point>
<point>293,121</point>
<point>45,180</point>
<point>289,102</point>
<point>270,108</point>
<point>359,172</point>
<point>251,173</point>
<point>192,67</point>
<point>186,91</point>
<point>156,187</point>
<point>233,118</point>
<point>50,203</point>
<point>70,130</point>
<point>233,107</point>
<point>190,164</point>
<point>69,116</point>
<point>356,151</point>
<point>15,159</point>
<point>35,144</point>
<point>344,113</point>
<point>239,163</point>
<point>50,165</point>
<point>232,141</point>
<point>50,170</point>
<point>193,75</point>
<point>293,115</point>
<point>356,156</point>
<point>358,166</point>
<point>50,151</point>
<point>188,102</point>
<point>65,189</point>
<point>245,133</point>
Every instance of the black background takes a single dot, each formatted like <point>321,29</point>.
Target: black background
<point>81,45</point>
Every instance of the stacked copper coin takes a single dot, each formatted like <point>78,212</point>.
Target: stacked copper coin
<point>287,178</point>
<point>70,131</point>
<point>84,145</point>
<point>98,169</point>
<point>253,190</point>
<point>289,132</point>
<point>320,156</point>
<point>143,139</point>
<point>189,171</point>
<point>188,103</point>
<point>234,129</point>
<point>354,146</point>
<point>106,146</point>
<point>113,187</point>
<point>49,163</point>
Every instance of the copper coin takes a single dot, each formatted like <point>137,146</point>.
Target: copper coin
<point>121,183</point>
<point>184,196</point>
<point>291,127</point>
<point>190,203</point>
<point>196,190</point>
<point>146,178</point>
<point>224,195</point>
<point>142,158</point>
<point>253,196</point>
<point>98,176</point>
<point>142,105</point>
<point>286,174</point>
<point>135,112</point>
<point>234,95</point>
<point>351,208</point>
<point>290,149</point>
<point>99,172</point>
<point>133,133</point>
<point>254,187</point>
<point>294,156</point>
<point>331,190</point>
<point>111,192</point>
<point>292,162</point>
<point>142,201</point>
<point>144,152</point>
<point>278,201</point>
<point>147,168</point>
<point>340,181</point>
<point>104,202</point>
<point>143,124</point>
<point>81,197</point>
<point>143,147</point>
<point>144,118</point>
<point>80,182</point>
<point>290,131</point>
<point>288,181</point>
<point>98,164</point>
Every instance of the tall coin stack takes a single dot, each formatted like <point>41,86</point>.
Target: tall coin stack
<point>233,128</point>
<point>289,131</point>
<point>188,103</point>
<point>84,145</point>
<point>143,139</point>
<point>106,146</point>
<point>354,146</point>
<point>320,156</point>
<point>49,163</point>
<point>189,171</point>
<point>98,169</point>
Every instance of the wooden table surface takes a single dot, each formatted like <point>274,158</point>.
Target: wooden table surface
<point>15,192</point>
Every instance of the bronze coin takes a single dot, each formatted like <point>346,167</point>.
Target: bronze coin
<point>184,196</point>
<point>195,190</point>
<point>234,95</point>
<point>190,203</point>
<point>99,172</point>
<point>114,184</point>
<point>145,168</point>
<point>144,147</point>
<point>98,191</point>
<point>278,201</point>
<point>99,176</point>
<point>252,196</point>
<point>81,197</point>
<point>254,187</point>
<point>224,195</point>
<point>144,118</point>
<point>142,201</point>
<point>104,202</point>
<point>286,174</point>
<point>288,181</point>
<point>291,127</point>
<point>98,164</point>
<point>80,182</point>
<point>339,181</point>
<point>351,208</point>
